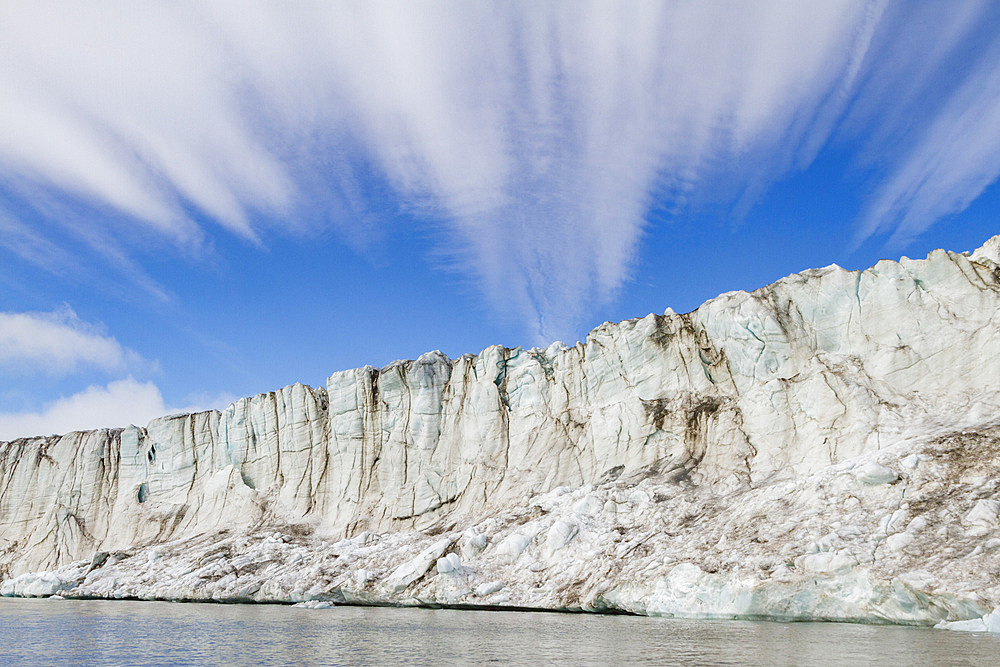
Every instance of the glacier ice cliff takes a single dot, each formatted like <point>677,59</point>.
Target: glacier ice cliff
<point>826,447</point>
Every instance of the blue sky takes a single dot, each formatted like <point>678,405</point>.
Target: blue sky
<point>201,201</point>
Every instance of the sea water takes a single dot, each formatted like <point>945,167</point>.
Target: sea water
<point>99,632</point>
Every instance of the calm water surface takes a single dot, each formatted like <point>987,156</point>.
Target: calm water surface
<point>72,632</point>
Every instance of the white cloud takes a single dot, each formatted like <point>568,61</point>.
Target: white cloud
<point>32,246</point>
<point>950,162</point>
<point>118,404</point>
<point>533,132</point>
<point>59,343</point>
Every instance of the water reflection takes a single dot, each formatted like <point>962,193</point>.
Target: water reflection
<point>136,633</point>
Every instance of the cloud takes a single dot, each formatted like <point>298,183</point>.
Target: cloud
<point>59,343</point>
<point>949,163</point>
<point>120,403</point>
<point>31,246</point>
<point>531,136</point>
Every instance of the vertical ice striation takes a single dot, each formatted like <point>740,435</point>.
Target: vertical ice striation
<point>749,390</point>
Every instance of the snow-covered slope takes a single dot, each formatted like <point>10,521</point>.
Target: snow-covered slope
<point>824,447</point>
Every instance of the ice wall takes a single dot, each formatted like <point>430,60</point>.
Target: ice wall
<point>749,390</point>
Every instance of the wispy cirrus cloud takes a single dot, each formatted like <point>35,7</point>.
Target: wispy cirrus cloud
<point>948,164</point>
<point>533,136</point>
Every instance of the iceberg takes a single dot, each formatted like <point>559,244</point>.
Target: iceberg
<point>826,447</point>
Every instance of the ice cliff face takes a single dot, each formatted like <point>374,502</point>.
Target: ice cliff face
<point>805,435</point>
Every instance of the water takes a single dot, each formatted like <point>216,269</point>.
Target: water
<point>75,632</point>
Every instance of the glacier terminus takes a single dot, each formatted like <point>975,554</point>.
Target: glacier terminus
<point>826,447</point>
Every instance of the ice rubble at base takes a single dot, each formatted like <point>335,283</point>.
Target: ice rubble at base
<point>988,623</point>
<point>826,447</point>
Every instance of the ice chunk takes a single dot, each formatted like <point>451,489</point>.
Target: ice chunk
<point>409,572</point>
<point>917,525</point>
<point>589,505</point>
<point>514,544</point>
<point>873,473</point>
<point>449,563</point>
<point>34,584</point>
<point>898,541</point>
<point>988,623</point>
<point>560,534</point>
<point>983,514</point>
<point>488,588</point>
<point>473,543</point>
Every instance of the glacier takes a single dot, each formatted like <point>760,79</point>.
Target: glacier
<point>826,447</point>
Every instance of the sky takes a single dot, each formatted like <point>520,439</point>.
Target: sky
<point>206,200</point>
